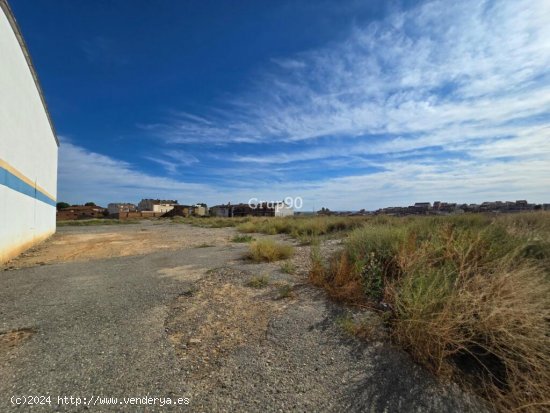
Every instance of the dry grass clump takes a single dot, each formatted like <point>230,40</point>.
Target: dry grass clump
<point>268,250</point>
<point>301,227</point>
<point>491,332</point>
<point>211,222</point>
<point>467,296</point>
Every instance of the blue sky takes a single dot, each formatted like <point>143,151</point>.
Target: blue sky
<point>347,104</point>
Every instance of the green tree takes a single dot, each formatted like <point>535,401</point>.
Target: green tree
<point>61,205</point>
<point>90,204</point>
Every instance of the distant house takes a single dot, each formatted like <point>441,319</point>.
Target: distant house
<point>156,205</point>
<point>200,210</point>
<point>80,212</point>
<point>283,210</point>
<point>423,205</point>
<point>178,211</point>
<point>222,211</point>
<point>118,207</point>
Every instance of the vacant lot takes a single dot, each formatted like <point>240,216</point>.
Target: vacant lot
<point>168,309</point>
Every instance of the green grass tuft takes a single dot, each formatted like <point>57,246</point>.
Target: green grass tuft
<point>242,238</point>
<point>258,281</point>
<point>285,291</point>
<point>288,267</point>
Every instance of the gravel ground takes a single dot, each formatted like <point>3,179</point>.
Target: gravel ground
<point>187,323</point>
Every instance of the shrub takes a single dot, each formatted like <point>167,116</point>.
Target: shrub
<point>284,291</point>
<point>269,250</point>
<point>317,271</point>
<point>259,281</point>
<point>468,296</point>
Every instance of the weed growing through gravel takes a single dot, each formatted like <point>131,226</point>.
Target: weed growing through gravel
<point>204,245</point>
<point>288,267</point>
<point>242,238</point>
<point>258,281</point>
<point>366,327</point>
<point>284,291</point>
<point>268,250</point>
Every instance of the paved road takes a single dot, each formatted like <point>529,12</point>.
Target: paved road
<point>98,327</point>
<point>109,327</point>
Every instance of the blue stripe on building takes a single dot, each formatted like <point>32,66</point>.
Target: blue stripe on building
<point>13,182</point>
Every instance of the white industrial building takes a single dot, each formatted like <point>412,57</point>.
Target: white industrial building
<point>28,147</point>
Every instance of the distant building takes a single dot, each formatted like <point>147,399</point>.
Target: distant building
<point>425,208</point>
<point>117,208</point>
<point>265,209</point>
<point>156,205</point>
<point>80,212</point>
<point>200,210</point>
<point>283,210</point>
<point>222,211</point>
<point>28,147</point>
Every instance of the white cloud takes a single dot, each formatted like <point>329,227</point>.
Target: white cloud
<point>89,176</point>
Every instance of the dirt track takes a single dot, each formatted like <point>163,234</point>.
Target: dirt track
<point>166,310</point>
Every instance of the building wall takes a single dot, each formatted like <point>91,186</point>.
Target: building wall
<point>283,211</point>
<point>28,151</point>
<point>217,211</point>
<point>115,208</point>
<point>162,208</point>
<point>201,211</point>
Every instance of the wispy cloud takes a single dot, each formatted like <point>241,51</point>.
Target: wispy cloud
<point>84,174</point>
<point>438,66</point>
<point>174,160</point>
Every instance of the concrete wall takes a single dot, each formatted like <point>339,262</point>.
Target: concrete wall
<point>162,208</point>
<point>282,210</point>
<point>28,149</point>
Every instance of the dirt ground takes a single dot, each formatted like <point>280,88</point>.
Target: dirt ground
<point>169,309</point>
<point>96,242</point>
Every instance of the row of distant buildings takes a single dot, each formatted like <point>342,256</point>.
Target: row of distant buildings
<point>152,208</point>
<point>438,208</point>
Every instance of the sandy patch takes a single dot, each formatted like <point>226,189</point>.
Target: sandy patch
<point>219,315</point>
<point>91,243</point>
<point>13,339</point>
